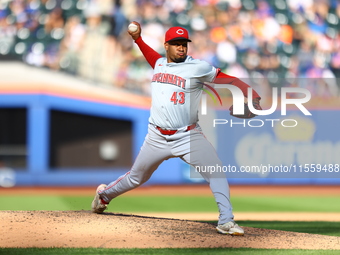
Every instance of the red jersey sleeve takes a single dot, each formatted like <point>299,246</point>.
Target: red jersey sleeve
<point>150,55</point>
<point>222,78</point>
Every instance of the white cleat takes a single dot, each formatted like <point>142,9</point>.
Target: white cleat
<point>230,228</point>
<point>97,205</point>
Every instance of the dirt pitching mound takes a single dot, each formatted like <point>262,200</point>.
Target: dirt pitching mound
<point>85,229</point>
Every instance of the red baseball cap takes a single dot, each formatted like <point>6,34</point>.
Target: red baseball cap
<point>177,33</point>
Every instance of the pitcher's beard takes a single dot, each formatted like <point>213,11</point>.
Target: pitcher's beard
<point>180,59</point>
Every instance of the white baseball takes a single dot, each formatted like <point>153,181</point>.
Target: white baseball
<point>133,27</point>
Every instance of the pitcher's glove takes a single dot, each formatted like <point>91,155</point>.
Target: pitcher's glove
<point>247,113</point>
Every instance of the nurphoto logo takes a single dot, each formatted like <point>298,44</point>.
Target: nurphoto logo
<point>238,104</point>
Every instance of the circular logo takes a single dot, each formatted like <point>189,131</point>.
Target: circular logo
<point>180,31</point>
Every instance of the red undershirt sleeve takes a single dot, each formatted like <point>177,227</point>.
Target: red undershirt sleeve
<point>150,55</point>
<point>222,78</point>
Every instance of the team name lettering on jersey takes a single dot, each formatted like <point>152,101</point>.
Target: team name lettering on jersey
<point>170,79</point>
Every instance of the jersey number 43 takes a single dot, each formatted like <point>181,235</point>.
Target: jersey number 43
<point>178,97</point>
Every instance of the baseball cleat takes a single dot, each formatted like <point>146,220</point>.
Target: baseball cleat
<point>230,228</point>
<point>98,205</point>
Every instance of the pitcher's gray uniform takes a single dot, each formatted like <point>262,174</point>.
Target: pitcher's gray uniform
<point>173,131</point>
<point>180,80</point>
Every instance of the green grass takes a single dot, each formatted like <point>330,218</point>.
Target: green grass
<point>286,204</point>
<point>208,251</point>
<point>120,204</point>
<point>311,227</point>
<point>174,203</point>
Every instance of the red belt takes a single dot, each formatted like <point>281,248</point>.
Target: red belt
<point>172,132</point>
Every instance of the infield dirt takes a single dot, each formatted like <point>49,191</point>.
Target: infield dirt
<point>111,230</point>
<point>85,229</point>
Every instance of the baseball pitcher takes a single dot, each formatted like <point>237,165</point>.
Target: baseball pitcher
<point>173,130</point>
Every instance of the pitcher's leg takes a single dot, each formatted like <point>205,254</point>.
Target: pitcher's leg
<point>219,186</point>
<point>147,161</point>
<point>220,189</point>
<point>202,155</point>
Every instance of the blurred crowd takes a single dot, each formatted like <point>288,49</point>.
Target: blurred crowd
<point>267,43</point>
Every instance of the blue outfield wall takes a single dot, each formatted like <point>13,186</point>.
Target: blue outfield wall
<point>316,140</point>
<point>38,172</point>
<point>276,149</point>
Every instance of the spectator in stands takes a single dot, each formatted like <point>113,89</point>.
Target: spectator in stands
<point>72,44</point>
<point>282,38</point>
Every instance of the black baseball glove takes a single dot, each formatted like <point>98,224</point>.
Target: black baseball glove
<point>247,113</point>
